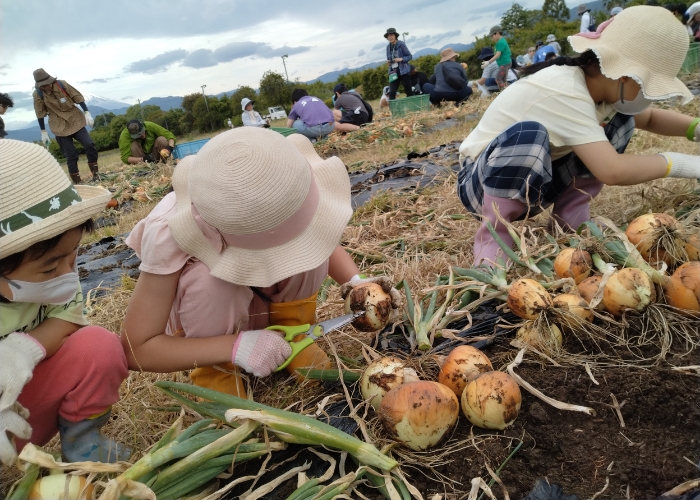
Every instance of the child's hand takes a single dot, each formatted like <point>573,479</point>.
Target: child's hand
<point>13,420</point>
<point>260,352</point>
<point>19,354</point>
<point>383,281</point>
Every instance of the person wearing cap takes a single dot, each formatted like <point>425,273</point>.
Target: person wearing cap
<point>560,149</point>
<point>244,242</point>
<point>451,83</point>
<point>58,374</point>
<point>615,11</point>
<point>397,58</point>
<point>502,56</point>
<point>57,99</point>
<point>552,42</point>
<point>349,110</point>
<point>5,103</point>
<point>310,116</point>
<point>529,55</point>
<point>587,22</point>
<point>145,141</point>
<point>250,117</point>
<point>487,83</point>
<point>542,51</point>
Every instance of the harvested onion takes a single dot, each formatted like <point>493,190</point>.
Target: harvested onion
<point>492,400</point>
<point>573,263</point>
<point>574,304</point>
<point>53,487</point>
<point>419,414</point>
<point>527,298</point>
<point>628,288</point>
<point>588,288</point>
<point>546,338</point>
<point>659,238</point>
<point>374,301</point>
<point>383,375</point>
<point>463,364</point>
<point>683,289</point>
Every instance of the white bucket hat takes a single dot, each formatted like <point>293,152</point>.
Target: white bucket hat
<point>647,44</point>
<point>245,101</point>
<point>551,38</point>
<point>257,207</point>
<point>37,200</point>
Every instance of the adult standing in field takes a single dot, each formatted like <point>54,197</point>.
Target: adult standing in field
<point>57,99</point>
<point>310,116</point>
<point>552,42</point>
<point>145,141</point>
<point>560,149</point>
<point>694,21</point>
<point>350,111</point>
<point>5,103</point>
<point>397,57</point>
<point>451,83</point>
<point>250,117</point>
<point>502,56</point>
<point>587,21</point>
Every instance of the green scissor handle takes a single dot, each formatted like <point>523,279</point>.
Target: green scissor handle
<point>289,333</point>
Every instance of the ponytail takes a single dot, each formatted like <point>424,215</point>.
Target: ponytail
<point>585,60</point>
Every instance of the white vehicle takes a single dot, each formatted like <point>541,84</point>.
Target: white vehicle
<point>276,112</point>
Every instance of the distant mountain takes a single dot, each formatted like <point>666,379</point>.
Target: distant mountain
<point>29,134</point>
<point>95,101</point>
<point>164,103</point>
<point>458,47</point>
<point>425,52</point>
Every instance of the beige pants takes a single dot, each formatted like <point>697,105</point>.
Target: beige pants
<point>137,150</point>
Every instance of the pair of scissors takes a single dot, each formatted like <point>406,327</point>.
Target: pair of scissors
<point>312,332</point>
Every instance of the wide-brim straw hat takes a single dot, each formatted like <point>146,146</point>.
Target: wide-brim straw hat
<point>257,207</point>
<point>37,200</point>
<point>447,54</point>
<point>647,44</point>
<point>41,78</point>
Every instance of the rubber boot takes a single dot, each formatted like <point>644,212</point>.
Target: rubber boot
<point>83,442</point>
<point>94,171</point>
<point>75,178</point>
<point>486,250</point>
<point>572,208</point>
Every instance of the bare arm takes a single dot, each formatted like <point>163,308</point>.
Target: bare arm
<point>663,122</point>
<point>495,56</point>
<point>615,169</point>
<point>341,267</point>
<point>52,332</point>
<point>145,343</point>
<point>290,122</point>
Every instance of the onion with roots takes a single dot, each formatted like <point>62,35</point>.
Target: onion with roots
<point>463,364</point>
<point>573,263</point>
<point>419,414</point>
<point>374,301</point>
<point>383,375</point>
<point>53,487</point>
<point>683,289</point>
<point>492,400</point>
<point>527,298</point>
<point>588,288</point>
<point>575,304</point>
<point>628,288</point>
<point>661,238</point>
<point>544,336</point>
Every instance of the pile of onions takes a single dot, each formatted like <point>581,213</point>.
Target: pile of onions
<point>463,364</point>
<point>53,487</point>
<point>548,339</point>
<point>683,289</point>
<point>588,288</point>
<point>492,400</point>
<point>383,375</point>
<point>419,414</point>
<point>662,238</point>
<point>374,301</point>
<point>527,298</point>
<point>573,263</point>
<point>575,304</point>
<point>628,288</point>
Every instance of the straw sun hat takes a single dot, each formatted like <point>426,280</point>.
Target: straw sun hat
<point>257,207</point>
<point>647,44</point>
<point>37,200</point>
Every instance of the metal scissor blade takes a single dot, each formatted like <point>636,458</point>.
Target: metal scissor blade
<point>332,324</point>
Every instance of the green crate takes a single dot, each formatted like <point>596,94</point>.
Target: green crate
<point>284,130</point>
<point>692,59</point>
<point>413,104</point>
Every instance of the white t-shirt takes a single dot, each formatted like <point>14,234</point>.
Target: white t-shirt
<point>585,22</point>
<point>557,98</point>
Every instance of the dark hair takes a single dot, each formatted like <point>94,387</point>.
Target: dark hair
<point>12,262</point>
<point>6,101</point>
<point>298,94</point>
<point>678,8</point>
<point>587,61</point>
<point>550,55</point>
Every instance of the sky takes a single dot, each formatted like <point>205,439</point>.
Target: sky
<point>132,49</point>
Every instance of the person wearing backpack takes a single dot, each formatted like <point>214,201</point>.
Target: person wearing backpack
<point>57,99</point>
<point>451,82</point>
<point>587,21</point>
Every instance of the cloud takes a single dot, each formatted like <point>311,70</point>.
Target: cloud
<point>268,52</point>
<point>443,36</point>
<point>361,53</point>
<point>101,80</point>
<point>156,64</point>
<point>237,50</point>
<point>22,99</point>
<point>379,46</point>
<point>205,58</point>
<point>480,31</point>
<point>4,68</point>
<point>202,58</point>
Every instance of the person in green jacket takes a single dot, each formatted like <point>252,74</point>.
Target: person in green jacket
<point>145,141</point>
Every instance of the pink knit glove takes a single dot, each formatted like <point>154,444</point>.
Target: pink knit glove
<point>260,352</point>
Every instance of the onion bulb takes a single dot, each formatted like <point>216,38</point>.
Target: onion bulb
<point>546,338</point>
<point>374,301</point>
<point>492,400</point>
<point>683,289</point>
<point>463,364</point>
<point>588,288</point>
<point>628,288</point>
<point>527,298</point>
<point>573,263</point>
<point>658,237</point>
<point>692,247</point>
<point>419,414</point>
<point>383,375</point>
<point>53,487</point>
<point>574,304</point>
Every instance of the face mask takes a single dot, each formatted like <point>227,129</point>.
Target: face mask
<point>633,107</point>
<point>54,291</point>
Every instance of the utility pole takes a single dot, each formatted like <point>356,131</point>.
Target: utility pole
<point>285,67</point>
<point>104,117</point>
<point>207,105</point>
<point>403,35</point>
<point>141,110</point>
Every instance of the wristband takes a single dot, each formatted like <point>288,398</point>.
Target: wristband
<point>690,133</point>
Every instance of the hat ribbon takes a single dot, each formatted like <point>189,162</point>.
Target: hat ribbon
<point>283,233</point>
<point>596,34</point>
<point>36,213</point>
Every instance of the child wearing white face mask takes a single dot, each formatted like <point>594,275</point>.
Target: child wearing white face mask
<point>57,375</point>
<point>560,134</point>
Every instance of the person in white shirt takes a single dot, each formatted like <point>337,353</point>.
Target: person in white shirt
<point>530,54</point>
<point>540,143</point>
<point>552,42</point>
<point>250,117</point>
<point>585,14</point>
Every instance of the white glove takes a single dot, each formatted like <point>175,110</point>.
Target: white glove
<point>260,352</point>
<point>88,119</point>
<point>13,420</point>
<point>683,165</point>
<point>383,281</point>
<point>45,138</point>
<point>19,354</point>
<point>484,64</point>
